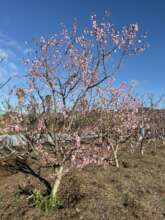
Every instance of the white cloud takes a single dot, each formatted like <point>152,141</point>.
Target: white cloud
<point>3,54</point>
<point>12,66</point>
<point>7,70</point>
<point>11,54</point>
<point>9,43</point>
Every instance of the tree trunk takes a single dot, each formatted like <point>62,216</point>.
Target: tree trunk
<point>115,150</point>
<point>116,159</point>
<point>57,182</point>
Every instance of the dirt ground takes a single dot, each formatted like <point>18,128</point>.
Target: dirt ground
<point>136,190</point>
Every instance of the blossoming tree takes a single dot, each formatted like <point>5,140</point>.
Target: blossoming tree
<point>63,78</point>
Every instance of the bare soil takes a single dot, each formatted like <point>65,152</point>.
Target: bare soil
<point>134,191</point>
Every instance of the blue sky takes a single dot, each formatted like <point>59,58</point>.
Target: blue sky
<point>24,20</point>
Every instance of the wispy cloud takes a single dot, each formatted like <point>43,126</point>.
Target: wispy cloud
<point>9,43</point>
<point>10,53</point>
<point>3,54</point>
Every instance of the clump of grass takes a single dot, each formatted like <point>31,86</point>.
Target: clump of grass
<point>45,203</point>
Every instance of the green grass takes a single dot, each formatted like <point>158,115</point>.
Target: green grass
<point>45,203</point>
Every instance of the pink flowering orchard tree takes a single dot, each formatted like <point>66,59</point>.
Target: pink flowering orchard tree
<point>119,118</point>
<point>152,119</point>
<point>64,76</point>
